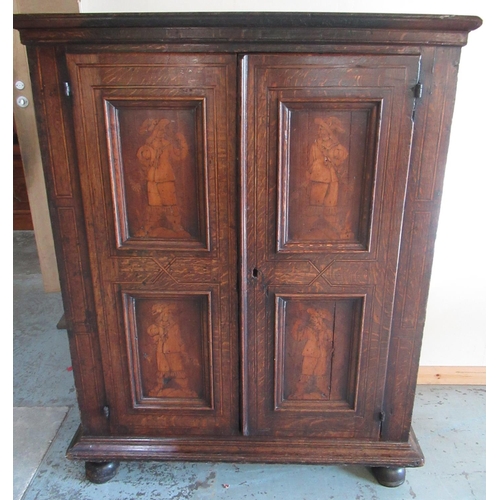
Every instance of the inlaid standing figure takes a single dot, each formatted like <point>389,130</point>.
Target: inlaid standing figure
<point>317,335</point>
<point>171,356</point>
<point>162,150</point>
<point>326,155</point>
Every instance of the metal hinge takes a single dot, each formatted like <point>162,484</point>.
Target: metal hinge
<point>105,410</point>
<point>381,418</point>
<point>67,89</point>
<point>418,90</point>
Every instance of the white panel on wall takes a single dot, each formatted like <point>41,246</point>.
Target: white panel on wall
<point>463,280</point>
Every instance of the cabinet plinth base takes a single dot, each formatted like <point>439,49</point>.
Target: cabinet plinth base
<point>390,476</point>
<point>101,472</point>
<point>248,449</point>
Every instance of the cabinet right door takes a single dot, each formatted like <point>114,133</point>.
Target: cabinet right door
<point>327,140</point>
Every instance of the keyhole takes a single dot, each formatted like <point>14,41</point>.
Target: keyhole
<point>255,272</point>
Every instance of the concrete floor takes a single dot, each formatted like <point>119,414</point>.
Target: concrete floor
<point>448,420</point>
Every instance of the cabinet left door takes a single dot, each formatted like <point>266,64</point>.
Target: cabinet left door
<point>156,160</point>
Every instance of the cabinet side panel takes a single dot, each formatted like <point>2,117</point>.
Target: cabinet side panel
<point>431,138</point>
<point>65,204</point>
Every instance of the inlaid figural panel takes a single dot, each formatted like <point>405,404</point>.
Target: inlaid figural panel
<point>170,349</point>
<point>327,167</point>
<point>159,171</point>
<point>310,345</point>
<point>317,341</point>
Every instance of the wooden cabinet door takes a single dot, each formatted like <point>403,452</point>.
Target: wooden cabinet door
<point>327,147</point>
<point>156,157</point>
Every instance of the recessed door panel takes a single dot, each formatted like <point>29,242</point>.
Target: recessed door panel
<point>157,168</point>
<point>326,171</point>
<point>169,338</point>
<point>327,147</point>
<point>317,341</point>
<point>159,171</point>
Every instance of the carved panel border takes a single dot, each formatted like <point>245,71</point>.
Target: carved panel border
<point>340,317</point>
<point>186,373</point>
<point>306,172</point>
<point>160,222</point>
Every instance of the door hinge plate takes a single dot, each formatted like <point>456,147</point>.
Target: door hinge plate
<point>418,90</point>
<point>67,89</point>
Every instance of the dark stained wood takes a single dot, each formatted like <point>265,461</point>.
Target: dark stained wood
<point>330,200</point>
<point>250,20</point>
<point>160,207</point>
<point>61,324</point>
<point>57,145</point>
<point>330,183</point>
<point>246,27</point>
<point>390,476</point>
<point>100,472</point>
<point>249,449</point>
<point>425,184</point>
<point>317,352</point>
<point>165,139</point>
<point>245,208</point>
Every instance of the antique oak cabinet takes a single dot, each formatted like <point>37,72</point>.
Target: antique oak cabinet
<point>244,208</point>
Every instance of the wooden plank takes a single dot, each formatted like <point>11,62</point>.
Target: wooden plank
<point>452,375</point>
<point>32,164</point>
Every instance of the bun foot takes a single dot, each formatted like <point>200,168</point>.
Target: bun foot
<point>100,472</point>
<point>389,476</point>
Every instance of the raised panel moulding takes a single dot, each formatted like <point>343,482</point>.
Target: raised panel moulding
<point>317,347</point>
<point>159,173</point>
<point>327,171</point>
<point>169,346</point>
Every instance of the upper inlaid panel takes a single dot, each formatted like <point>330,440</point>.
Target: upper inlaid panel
<point>327,169</point>
<point>157,158</point>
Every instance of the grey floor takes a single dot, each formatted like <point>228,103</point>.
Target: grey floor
<point>448,420</point>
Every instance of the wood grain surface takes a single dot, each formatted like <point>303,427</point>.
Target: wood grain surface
<point>244,209</point>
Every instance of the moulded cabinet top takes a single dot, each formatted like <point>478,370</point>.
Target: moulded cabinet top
<point>241,27</point>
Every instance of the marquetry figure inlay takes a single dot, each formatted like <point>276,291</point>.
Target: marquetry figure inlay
<point>163,153</point>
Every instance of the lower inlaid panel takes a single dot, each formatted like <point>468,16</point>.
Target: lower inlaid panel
<point>169,339</point>
<point>317,351</point>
